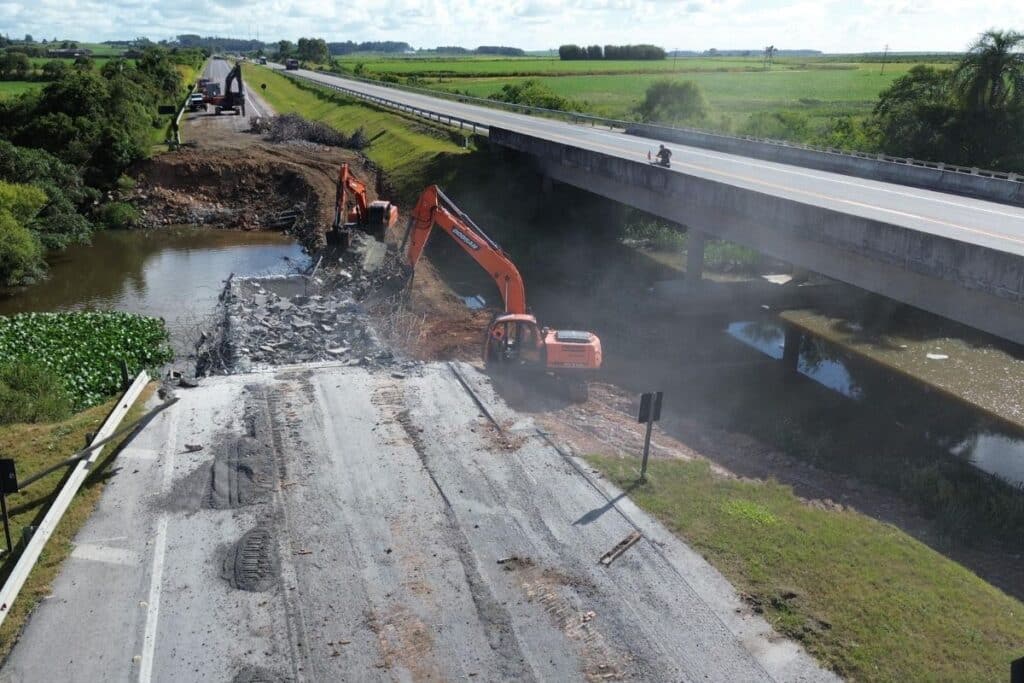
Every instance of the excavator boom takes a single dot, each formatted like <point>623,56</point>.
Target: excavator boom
<point>435,209</point>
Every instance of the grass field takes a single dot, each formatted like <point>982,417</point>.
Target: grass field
<point>735,87</point>
<point>13,88</point>
<point>533,66</point>
<point>863,597</point>
<point>817,92</point>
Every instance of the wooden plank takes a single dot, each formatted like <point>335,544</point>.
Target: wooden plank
<point>35,545</point>
<point>620,547</point>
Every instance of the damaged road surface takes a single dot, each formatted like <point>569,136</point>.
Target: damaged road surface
<point>352,523</point>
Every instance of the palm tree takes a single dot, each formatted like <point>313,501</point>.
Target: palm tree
<point>991,74</point>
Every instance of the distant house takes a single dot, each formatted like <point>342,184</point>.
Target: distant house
<point>69,53</point>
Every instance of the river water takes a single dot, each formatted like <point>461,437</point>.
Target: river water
<point>175,273</point>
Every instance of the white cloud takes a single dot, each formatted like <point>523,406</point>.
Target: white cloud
<point>829,25</point>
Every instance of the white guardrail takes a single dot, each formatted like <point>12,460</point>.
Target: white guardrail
<point>30,554</point>
<point>634,127</point>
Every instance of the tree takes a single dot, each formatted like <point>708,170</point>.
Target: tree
<point>15,66</point>
<point>991,75</point>
<point>313,50</point>
<point>668,101</point>
<point>28,38</point>
<point>54,69</point>
<point>21,255</point>
<point>285,48</point>
<point>915,115</point>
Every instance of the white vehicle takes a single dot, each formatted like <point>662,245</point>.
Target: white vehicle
<point>196,101</point>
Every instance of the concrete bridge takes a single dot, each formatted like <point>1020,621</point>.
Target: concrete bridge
<point>961,257</point>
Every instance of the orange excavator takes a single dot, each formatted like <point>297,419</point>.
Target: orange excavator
<point>351,210</point>
<point>514,338</point>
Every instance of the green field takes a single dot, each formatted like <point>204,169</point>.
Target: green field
<point>13,88</point>
<point>735,87</point>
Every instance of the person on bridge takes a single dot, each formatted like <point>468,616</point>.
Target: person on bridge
<point>664,156</point>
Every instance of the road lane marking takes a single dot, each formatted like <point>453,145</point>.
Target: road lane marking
<point>153,604</point>
<point>105,553</point>
<point>156,573</point>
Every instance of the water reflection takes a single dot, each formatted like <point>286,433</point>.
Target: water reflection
<point>814,361</point>
<point>945,422</point>
<point>175,274</point>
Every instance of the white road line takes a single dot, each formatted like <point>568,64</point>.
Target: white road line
<point>105,553</point>
<point>159,549</point>
<point>153,606</point>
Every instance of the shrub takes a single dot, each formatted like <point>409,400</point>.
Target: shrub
<point>30,392</point>
<point>534,94</point>
<point>668,101</point>
<point>777,125</point>
<point>21,256</point>
<point>119,215</point>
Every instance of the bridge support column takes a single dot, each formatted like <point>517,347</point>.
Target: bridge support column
<point>695,240</point>
<point>791,350</point>
<point>547,185</point>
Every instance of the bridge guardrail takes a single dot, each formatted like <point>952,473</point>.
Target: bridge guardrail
<point>988,184</point>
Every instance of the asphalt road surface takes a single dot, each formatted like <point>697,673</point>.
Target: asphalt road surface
<point>217,70</point>
<point>344,524</point>
<point>996,226</point>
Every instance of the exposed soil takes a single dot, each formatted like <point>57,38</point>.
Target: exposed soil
<point>255,186</point>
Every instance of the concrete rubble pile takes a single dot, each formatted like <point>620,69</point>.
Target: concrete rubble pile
<point>277,321</point>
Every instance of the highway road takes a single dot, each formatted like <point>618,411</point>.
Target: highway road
<point>198,126</point>
<point>327,523</point>
<point>989,224</point>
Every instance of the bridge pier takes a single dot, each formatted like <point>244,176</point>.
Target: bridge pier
<point>547,185</point>
<point>695,241</point>
<point>791,349</point>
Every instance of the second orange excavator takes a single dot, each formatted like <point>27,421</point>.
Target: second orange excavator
<point>514,338</point>
<point>352,210</point>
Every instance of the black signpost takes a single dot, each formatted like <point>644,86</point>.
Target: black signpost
<point>650,412</point>
<point>8,484</point>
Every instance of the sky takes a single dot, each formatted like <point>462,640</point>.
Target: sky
<point>826,25</point>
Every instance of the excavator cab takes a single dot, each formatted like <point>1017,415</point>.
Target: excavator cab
<point>514,340</point>
<point>352,210</point>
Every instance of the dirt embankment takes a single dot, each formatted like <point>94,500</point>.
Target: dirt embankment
<point>259,186</point>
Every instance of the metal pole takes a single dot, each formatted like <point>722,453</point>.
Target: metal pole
<point>7,525</point>
<point>647,450</point>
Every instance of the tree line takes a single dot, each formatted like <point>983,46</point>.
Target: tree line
<point>62,148</point>
<point>576,52</point>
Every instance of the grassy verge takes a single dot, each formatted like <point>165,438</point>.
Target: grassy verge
<point>35,447</point>
<point>403,147</point>
<point>863,597</point>
<point>15,88</point>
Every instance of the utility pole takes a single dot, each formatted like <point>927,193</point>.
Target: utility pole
<point>885,55</point>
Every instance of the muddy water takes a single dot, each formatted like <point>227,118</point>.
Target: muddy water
<point>952,421</point>
<point>174,273</point>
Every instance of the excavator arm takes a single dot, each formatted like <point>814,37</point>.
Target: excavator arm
<point>435,209</point>
<point>351,208</point>
<point>347,185</point>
